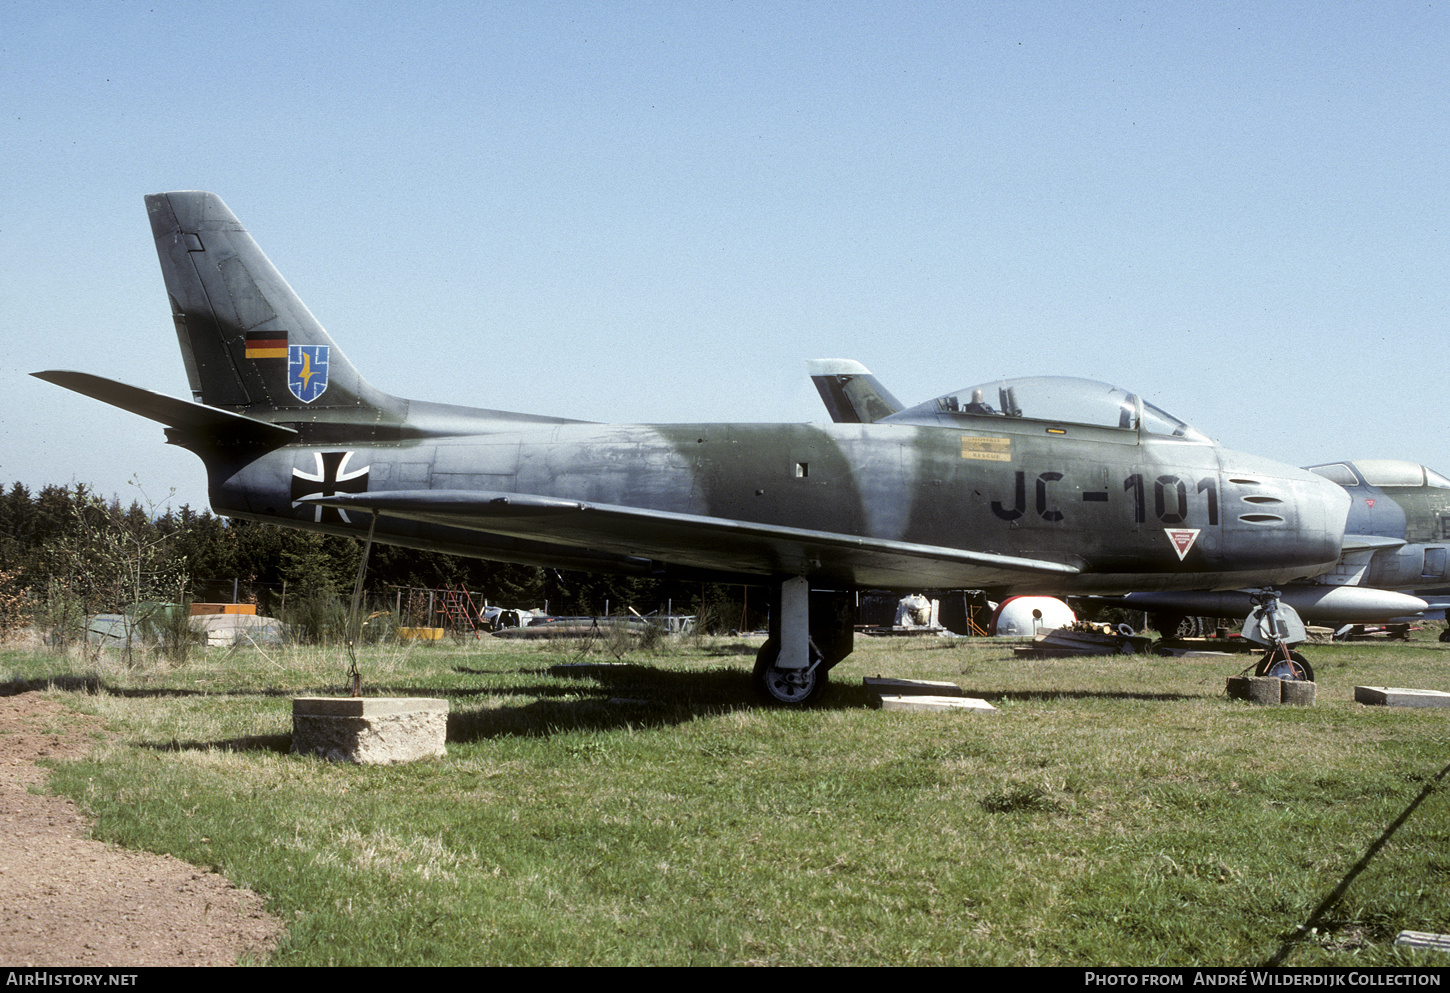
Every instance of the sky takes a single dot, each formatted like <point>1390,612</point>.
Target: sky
<point>656,212</point>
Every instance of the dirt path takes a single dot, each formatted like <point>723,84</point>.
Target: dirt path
<point>68,900</point>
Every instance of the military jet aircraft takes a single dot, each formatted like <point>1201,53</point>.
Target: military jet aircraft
<point>1396,535</point>
<point>1039,485</point>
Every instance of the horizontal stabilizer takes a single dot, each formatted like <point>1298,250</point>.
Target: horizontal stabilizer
<point>192,424</point>
<point>695,540</point>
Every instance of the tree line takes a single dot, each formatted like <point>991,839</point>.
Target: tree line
<point>67,552</point>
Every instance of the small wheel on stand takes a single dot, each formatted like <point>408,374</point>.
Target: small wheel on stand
<point>1295,666</point>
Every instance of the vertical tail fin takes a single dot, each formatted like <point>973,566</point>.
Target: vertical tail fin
<point>851,394</point>
<point>248,341</point>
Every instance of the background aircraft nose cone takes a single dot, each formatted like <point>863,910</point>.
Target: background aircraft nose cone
<point>1337,502</point>
<point>1323,510</point>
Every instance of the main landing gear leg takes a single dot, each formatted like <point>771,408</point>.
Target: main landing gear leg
<point>810,631</point>
<point>1277,626</point>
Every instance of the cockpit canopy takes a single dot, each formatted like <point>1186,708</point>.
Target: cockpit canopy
<point>1381,472</point>
<point>1058,399</point>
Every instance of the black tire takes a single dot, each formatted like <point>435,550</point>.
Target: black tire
<point>1177,627</point>
<point>1273,664</point>
<point>1166,624</point>
<point>1445,635</point>
<point>784,687</point>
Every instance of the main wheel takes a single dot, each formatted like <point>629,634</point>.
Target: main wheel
<point>1166,624</point>
<point>1178,627</point>
<point>1273,664</point>
<point>792,686</point>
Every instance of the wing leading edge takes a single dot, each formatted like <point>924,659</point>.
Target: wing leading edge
<point>710,543</point>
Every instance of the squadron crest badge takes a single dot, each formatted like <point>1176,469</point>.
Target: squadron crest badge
<point>307,371</point>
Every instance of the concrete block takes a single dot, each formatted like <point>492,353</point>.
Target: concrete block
<point>1271,689</point>
<point>936,704</point>
<point>1390,696</point>
<point>369,730</point>
<point>238,629</point>
<point>1423,939</point>
<point>1264,689</point>
<point>1298,692</point>
<point>885,686</point>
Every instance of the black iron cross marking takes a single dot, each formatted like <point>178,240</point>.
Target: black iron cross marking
<point>331,477</point>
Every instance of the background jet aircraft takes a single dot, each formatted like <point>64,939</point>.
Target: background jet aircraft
<point>1400,515</point>
<point>1025,486</point>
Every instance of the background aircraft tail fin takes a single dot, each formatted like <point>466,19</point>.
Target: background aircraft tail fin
<point>248,341</point>
<point>851,394</point>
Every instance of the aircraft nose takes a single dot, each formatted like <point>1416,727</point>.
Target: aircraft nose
<point>1282,519</point>
<point>1322,509</point>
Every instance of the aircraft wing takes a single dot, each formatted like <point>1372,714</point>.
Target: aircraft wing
<point>1363,542</point>
<point>710,543</point>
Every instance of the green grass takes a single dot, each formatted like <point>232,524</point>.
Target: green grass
<point>1116,811</point>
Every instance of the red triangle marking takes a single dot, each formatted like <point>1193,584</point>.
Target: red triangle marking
<point>1182,538</point>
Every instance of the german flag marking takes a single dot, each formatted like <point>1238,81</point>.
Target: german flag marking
<point>266,344</point>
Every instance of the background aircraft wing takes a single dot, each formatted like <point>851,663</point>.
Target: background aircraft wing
<point>1363,542</point>
<point>709,543</point>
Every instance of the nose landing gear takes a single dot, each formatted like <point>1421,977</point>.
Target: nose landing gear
<point>1285,665</point>
<point>1277,625</point>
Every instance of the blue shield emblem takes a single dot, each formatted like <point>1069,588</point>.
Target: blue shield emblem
<point>307,371</point>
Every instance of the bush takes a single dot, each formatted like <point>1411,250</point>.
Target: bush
<point>14,605</point>
<point>62,614</point>
<point>315,619</point>
<point>170,626</point>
